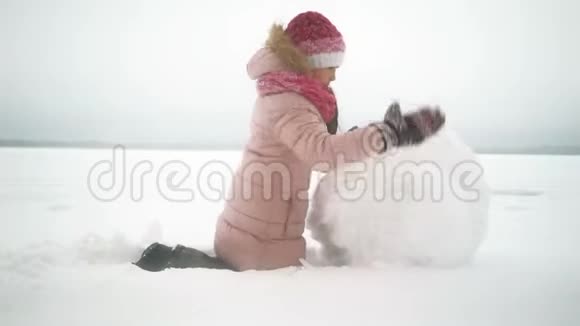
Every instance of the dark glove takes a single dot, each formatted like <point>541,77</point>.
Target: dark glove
<point>409,129</point>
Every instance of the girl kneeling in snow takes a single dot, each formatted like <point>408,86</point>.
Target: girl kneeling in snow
<point>293,132</point>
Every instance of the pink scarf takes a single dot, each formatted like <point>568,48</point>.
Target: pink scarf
<point>285,81</point>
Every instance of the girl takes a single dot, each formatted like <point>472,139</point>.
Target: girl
<point>293,132</point>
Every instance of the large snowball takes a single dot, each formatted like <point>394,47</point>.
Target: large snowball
<point>423,205</point>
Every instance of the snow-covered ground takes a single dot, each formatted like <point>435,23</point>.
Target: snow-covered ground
<point>64,254</point>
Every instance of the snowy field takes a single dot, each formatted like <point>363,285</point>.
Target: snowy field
<point>64,254</point>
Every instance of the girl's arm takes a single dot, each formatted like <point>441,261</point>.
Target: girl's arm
<point>302,130</point>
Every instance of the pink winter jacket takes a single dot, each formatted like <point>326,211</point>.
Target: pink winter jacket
<point>263,219</point>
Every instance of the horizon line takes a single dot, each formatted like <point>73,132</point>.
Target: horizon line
<point>522,150</point>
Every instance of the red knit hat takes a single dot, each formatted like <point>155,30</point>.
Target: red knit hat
<point>317,38</point>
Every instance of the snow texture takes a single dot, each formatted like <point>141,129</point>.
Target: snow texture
<point>65,256</point>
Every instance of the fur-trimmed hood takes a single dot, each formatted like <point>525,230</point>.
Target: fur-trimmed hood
<point>278,53</point>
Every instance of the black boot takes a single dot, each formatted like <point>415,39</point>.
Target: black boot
<point>155,258</point>
<point>158,257</point>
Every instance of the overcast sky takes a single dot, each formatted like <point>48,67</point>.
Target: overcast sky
<point>506,72</point>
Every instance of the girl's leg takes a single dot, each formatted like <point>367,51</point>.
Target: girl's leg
<point>184,257</point>
<point>158,257</point>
